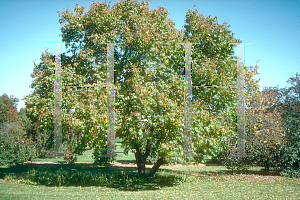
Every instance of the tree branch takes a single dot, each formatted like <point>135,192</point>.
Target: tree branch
<point>155,167</point>
<point>148,148</point>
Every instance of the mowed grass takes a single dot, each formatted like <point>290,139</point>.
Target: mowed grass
<point>87,156</point>
<point>170,182</point>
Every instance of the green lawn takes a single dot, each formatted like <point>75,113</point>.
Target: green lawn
<point>170,182</point>
<point>87,156</point>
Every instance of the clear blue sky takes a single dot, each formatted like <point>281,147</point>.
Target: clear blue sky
<point>272,26</point>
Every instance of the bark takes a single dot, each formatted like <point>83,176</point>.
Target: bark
<point>140,161</point>
<point>141,158</point>
<point>155,167</point>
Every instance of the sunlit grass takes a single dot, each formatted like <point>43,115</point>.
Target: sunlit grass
<point>197,182</point>
<point>62,181</point>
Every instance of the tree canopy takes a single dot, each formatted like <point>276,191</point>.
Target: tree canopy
<point>149,82</point>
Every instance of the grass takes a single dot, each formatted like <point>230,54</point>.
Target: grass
<point>87,156</point>
<point>86,181</point>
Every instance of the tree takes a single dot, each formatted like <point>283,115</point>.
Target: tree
<point>288,160</point>
<point>272,128</point>
<point>149,70</point>
<point>8,112</point>
<point>264,127</point>
<point>2,111</point>
<point>290,98</point>
<point>40,104</point>
<point>8,108</point>
<point>15,149</point>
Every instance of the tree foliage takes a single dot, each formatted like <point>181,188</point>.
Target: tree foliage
<point>8,108</point>
<point>264,127</point>
<point>272,130</point>
<point>9,117</point>
<point>15,147</point>
<point>288,161</point>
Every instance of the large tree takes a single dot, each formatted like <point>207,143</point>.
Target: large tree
<point>149,36</point>
<point>149,79</point>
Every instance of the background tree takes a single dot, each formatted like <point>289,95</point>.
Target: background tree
<point>8,113</point>
<point>290,98</point>
<point>8,108</point>
<point>288,161</point>
<point>2,111</point>
<point>9,117</point>
<point>15,147</point>
<point>76,130</point>
<point>264,127</point>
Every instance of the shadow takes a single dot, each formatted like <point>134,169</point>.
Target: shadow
<point>119,177</point>
<point>123,178</point>
<point>256,172</point>
<point>128,162</point>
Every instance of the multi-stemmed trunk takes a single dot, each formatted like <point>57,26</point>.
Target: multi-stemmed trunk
<point>141,161</point>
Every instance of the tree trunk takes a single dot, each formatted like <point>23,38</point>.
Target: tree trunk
<point>141,159</point>
<point>141,164</point>
<point>155,167</point>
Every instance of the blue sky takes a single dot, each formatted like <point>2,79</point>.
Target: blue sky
<point>272,26</point>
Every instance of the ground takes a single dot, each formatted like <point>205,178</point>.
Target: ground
<point>241,177</point>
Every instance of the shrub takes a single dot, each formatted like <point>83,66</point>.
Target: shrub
<point>283,157</point>
<point>264,155</point>
<point>101,160</point>
<point>288,163</point>
<point>69,176</point>
<point>263,128</point>
<point>42,143</point>
<point>15,150</point>
<point>236,164</point>
<point>70,158</point>
<point>233,163</point>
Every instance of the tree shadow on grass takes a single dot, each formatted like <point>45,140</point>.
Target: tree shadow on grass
<point>85,175</point>
<point>250,174</point>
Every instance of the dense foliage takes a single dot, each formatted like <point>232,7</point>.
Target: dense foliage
<point>8,112</point>
<point>15,147</point>
<point>288,160</point>
<point>272,139</point>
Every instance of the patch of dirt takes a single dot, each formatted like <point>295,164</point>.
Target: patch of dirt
<point>36,162</point>
<point>184,165</point>
<point>3,181</point>
<point>125,164</point>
